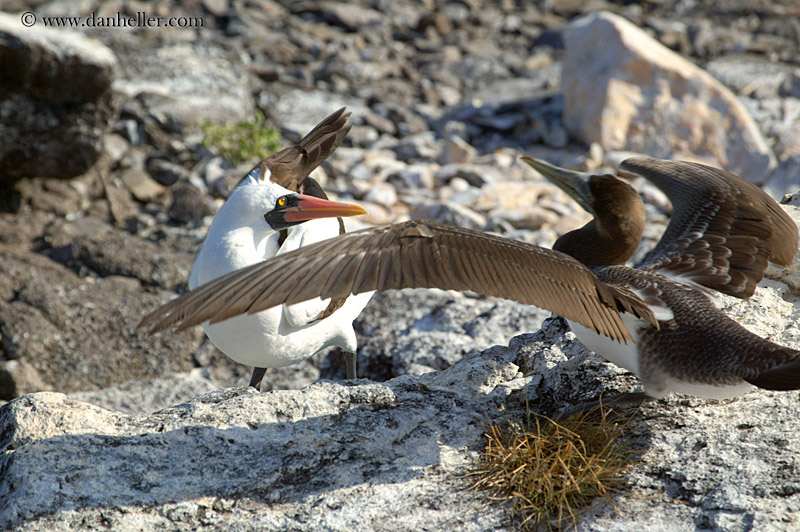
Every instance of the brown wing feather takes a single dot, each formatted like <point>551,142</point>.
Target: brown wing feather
<point>723,230</point>
<point>290,166</point>
<point>414,254</point>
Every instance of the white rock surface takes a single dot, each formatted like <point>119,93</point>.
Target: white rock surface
<point>626,91</point>
<point>359,456</point>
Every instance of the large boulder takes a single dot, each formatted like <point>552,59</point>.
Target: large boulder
<point>626,91</point>
<point>55,100</point>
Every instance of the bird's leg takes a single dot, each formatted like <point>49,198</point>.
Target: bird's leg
<point>620,399</point>
<point>350,360</point>
<point>255,380</point>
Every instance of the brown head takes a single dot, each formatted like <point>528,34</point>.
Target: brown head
<point>616,230</point>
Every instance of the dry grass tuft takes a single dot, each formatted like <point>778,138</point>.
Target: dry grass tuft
<point>550,470</point>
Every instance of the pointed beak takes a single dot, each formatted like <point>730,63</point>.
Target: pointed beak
<point>311,208</point>
<point>575,184</point>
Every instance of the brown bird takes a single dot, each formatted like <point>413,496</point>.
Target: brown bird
<point>657,320</point>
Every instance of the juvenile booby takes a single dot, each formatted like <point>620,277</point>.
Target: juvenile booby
<point>657,320</point>
<point>275,209</point>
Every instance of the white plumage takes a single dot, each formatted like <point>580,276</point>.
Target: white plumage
<point>238,237</point>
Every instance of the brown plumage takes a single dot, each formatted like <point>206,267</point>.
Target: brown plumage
<point>723,230</point>
<point>722,234</point>
<point>414,254</point>
<point>290,167</point>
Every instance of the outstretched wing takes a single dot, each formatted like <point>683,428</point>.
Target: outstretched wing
<point>723,230</point>
<point>414,254</point>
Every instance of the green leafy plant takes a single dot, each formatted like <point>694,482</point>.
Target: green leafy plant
<point>242,141</point>
<point>548,471</point>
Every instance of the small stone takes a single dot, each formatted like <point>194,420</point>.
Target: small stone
<point>216,7</point>
<point>363,136</point>
<point>476,175</point>
<point>456,150</point>
<point>415,176</point>
<point>448,213</point>
<point>785,179</point>
<point>17,377</point>
<point>416,147</point>
<point>116,146</point>
<point>141,185</point>
<point>189,205</point>
<point>382,193</point>
<point>215,169</point>
<point>352,17</point>
<point>166,172</point>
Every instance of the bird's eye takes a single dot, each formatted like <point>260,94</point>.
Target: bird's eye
<point>281,201</point>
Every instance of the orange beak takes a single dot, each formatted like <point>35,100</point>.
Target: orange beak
<point>311,208</point>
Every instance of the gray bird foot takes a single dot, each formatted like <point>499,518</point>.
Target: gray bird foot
<point>350,360</point>
<point>258,375</point>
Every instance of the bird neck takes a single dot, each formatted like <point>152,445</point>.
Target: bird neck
<point>613,236</point>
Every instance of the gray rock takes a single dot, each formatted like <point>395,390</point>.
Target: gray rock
<point>75,333</point>
<point>418,147</point>
<point>337,454</point>
<point>382,193</point>
<point>298,111</point>
<point>414,177</point>
<point>150,395</point>
<point>791,86</point>
<point>186,84</point>
<point>56,67</point>
<point>631,93</point>
<point>143,187</point>
<point>350,16</point>
<point>749,75</point>
<point>785,179</point>
<point>455,150</point>
<point>88,243</point>
<point>166,172</point>
<point>449,213</point>
<point>57,103</point>
<point>189,205</point>
<point>279,449</point>
<point>476,175</point>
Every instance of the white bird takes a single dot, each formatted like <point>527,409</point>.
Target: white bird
<point>267,215</point>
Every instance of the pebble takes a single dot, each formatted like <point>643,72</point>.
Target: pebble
<point>414,176</point>
<point>456,150</point>
<point>382,193</point>
<point>141,185</point>
<point>448,213</point>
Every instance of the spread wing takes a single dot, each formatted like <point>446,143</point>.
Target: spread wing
<point>723,230</point>
<point>414,254</point>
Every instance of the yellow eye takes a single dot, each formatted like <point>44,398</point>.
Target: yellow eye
<point>281,201</point>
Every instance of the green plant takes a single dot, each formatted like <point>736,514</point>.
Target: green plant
<point>242,141</point>
<point>551,470</point>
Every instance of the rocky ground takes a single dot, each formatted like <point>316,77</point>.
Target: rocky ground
<point>106,191</point>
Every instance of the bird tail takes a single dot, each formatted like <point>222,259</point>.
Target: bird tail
<point>782,377</point>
